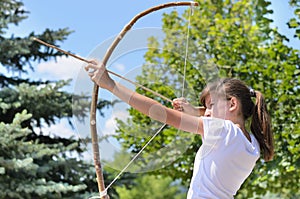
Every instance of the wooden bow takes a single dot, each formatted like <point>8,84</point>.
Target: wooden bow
<point>105,59</point>
<point>93,129</point>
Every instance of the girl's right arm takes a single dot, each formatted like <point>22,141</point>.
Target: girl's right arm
<point>144,104</point>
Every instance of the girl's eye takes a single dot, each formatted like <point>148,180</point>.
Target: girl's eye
<point>210,105</point>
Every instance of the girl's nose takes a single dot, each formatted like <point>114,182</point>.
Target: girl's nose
<point>207,113</point>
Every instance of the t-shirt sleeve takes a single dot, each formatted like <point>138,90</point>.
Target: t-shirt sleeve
<point>212,134</point>
<point>212,127</point>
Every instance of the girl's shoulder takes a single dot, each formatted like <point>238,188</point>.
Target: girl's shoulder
<point>220,129</point>
<point>215,126</point>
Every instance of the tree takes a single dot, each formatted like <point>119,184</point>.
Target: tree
<point>147,186</point>
<point>32,163</point>
<point>233,39</point>
<point>135,185</point>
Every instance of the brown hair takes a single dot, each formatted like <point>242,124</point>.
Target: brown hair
<point>260,123</point>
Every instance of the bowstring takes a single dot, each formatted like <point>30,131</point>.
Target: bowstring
<point>130,162</point>
<point>186,51</point>
<point>104,193</point>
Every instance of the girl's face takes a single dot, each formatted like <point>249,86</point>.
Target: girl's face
<point>216,107</point>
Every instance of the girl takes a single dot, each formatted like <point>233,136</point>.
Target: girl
<point>228,152</point>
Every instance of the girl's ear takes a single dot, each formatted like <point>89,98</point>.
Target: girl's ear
<point>233,104</point>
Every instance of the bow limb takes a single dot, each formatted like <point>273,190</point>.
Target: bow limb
<point>95,145</point>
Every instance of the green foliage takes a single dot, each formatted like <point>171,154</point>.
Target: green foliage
<point>232,39</point>
<point>137,185</point>
<point>42,101</point>
<point>11,12</point>
<point>16,53</point>
<point>148,186</point>
<point>31,169</point>
<point>34,164</point>
<point>294,23</point>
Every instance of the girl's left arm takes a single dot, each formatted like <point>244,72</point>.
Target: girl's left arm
<point>146,105</point>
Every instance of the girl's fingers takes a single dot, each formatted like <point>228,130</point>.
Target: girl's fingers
<point>91,66</point>
<point>179,100</point>
<point>95,62</point>
<point>177,105</point>
<point>91,74</point>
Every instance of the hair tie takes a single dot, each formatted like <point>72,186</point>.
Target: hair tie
<point>252,92</point>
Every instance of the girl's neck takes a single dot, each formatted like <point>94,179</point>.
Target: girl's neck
<point>242,127</point>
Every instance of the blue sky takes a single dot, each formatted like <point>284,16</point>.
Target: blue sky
<point>94,22</point>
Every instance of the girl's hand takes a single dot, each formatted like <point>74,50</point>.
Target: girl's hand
<point>181,104</point>
<point>98,73</point>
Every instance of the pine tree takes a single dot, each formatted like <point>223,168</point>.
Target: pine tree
<point>33,164</point>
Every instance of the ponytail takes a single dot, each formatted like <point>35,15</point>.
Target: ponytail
<point>261,127</point>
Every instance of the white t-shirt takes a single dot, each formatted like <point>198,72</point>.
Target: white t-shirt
<point>223,162</point>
